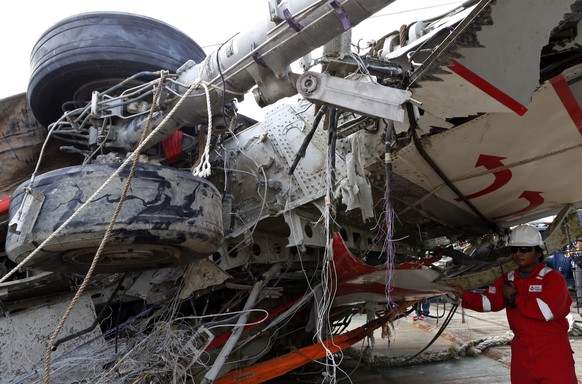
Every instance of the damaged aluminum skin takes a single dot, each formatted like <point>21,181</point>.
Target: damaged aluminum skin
<point>379,177</point>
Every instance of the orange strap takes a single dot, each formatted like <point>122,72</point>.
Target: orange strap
<point>259,373</point>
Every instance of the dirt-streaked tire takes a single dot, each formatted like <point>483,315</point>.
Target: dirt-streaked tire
<point>93,51</point>
<point>169,217</point>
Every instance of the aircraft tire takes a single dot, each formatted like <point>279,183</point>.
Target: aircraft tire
<point>169,217</point>
<point>93,51</point>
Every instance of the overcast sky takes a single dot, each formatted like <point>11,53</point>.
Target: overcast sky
<point>209,23</point>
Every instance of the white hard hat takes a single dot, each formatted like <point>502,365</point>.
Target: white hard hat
<point>525,235</point>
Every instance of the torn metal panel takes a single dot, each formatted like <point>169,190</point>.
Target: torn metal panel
<point>479,279</point>
<point>491,61</point>
<point>21,138</point>
<point>35,284</point>
<point>24,336</point>
<point>199,275</point>
<point>355,189</point>
<point>564,229</point>
<point>156,286</point>
<point>508,183</point>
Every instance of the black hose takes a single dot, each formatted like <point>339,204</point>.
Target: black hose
<point>441,174</point>
<point>301,153</point>
<point>442,328</point>
<point>98,319</point>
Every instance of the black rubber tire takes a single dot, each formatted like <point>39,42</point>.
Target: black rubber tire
<point>97,50</point>
<point>169,217</point>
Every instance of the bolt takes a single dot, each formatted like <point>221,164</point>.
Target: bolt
<point>309,83</point>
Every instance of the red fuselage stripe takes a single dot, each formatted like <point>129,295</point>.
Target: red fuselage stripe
<point>567,98</point>
<point>487,87</point>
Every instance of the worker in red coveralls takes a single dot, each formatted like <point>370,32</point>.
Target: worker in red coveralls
<point>537,302</point>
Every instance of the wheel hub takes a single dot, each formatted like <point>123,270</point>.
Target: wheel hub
<point>134,256</point>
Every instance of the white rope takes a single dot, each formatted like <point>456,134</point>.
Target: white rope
<point>576,329</point>
<point>203,169</point>
<point>468,349</point>
<point>104,241</point>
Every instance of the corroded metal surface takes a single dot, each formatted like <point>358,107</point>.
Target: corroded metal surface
<point>21,138</point>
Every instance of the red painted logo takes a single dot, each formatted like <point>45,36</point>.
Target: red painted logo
<point>502,176</point>
<point>534,198</point>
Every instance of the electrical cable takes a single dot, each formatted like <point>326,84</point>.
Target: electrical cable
<point>388,211</point>
<point>440,331</point>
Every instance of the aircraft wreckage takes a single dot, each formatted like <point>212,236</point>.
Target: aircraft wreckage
<point>151,233</point>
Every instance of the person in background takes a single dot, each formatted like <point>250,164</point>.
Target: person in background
<point>577,271</point>
<point>422,310</point>
<point>537,304</point>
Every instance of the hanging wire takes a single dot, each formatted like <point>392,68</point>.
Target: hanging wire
<point>328,272</point>
<point>389,213</point>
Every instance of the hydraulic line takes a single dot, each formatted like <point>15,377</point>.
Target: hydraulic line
<point>308,137</point>
<point>99,317</point>
<point>441,174</point>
